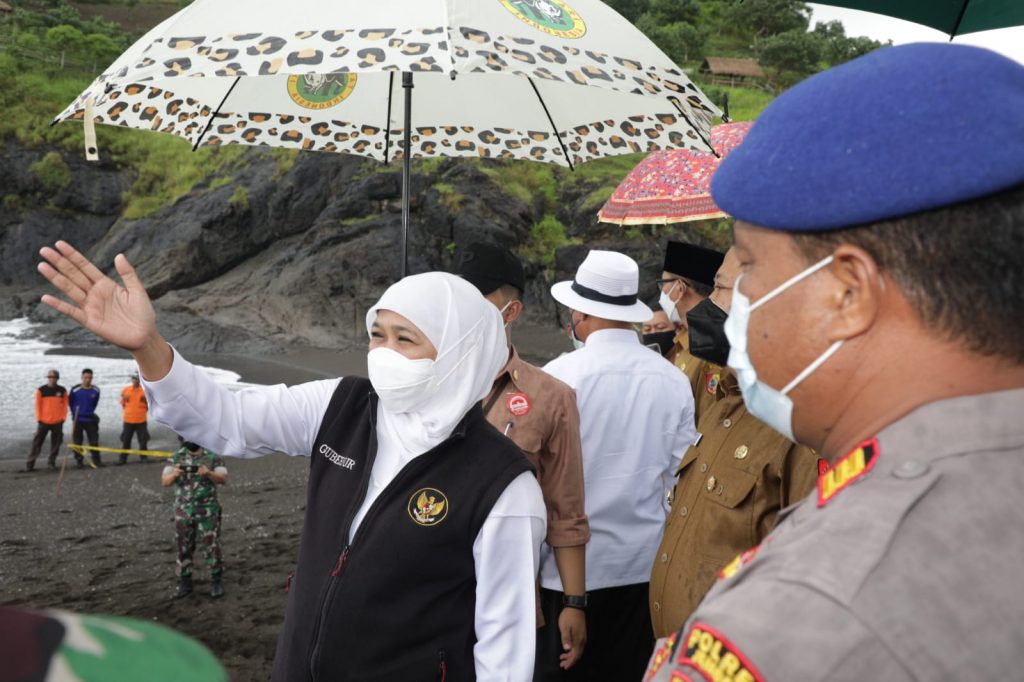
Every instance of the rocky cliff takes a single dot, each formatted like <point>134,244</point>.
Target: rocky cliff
<point>288,254</point>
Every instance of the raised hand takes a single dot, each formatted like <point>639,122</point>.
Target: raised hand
<point>119,314</point>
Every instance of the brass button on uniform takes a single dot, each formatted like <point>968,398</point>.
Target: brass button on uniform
<point>720,490</point>
<point>711,483</point>
<point>703,467</point>
<point>683,511</point>
<point>741,452</point>
<point>664,558</point>
<point>515,375</point>
<point>726,422</point>
<point>657,607</point>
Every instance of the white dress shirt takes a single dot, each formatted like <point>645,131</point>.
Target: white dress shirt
<point>264,420</point>
<point>636,422</point>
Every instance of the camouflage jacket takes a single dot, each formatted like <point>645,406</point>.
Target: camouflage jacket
<point>191,489</point>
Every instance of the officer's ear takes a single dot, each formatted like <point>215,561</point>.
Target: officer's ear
<point>856,294</point>
<point>513,311</point>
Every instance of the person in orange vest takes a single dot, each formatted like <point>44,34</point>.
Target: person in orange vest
<point>133,400</point>
<point>51,411</point>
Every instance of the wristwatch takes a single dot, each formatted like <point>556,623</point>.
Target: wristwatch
<point>574,602</point>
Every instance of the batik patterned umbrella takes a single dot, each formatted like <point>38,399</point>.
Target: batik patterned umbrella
<point>672,186</point>
<point>561,81</point>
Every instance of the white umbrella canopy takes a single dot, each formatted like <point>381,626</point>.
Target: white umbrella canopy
<point>493,78</point>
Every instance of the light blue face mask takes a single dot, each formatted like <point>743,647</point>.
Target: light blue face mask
<point>771,406</point>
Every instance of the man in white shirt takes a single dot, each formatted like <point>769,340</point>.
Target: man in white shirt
<point>636,421</point>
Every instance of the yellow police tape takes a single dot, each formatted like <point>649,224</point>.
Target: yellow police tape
<point>82,449</point>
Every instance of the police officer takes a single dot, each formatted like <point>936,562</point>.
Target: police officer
<point>862,327</point>
<point>195,472</point>
<point>732,482</point>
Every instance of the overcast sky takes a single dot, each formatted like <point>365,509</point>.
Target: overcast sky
<point>1009,41</point>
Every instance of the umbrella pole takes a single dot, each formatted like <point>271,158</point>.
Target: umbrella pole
<point>406,169</point>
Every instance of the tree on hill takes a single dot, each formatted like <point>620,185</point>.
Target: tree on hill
<point>63,38</point>
<point>763,18</point>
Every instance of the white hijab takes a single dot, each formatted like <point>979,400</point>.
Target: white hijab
<point>468,333</point>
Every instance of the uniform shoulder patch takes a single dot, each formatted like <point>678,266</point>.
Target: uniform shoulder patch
<point>848,469</point>
<point>718,659</point>
<point>741,560</point>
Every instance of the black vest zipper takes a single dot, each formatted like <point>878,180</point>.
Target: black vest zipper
<point>339,568</point>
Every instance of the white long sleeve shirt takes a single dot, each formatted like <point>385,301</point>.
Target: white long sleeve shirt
<point>636,422</point>
<point>264,420</point>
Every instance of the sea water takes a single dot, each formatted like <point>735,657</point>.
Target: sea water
<point>23,368</point>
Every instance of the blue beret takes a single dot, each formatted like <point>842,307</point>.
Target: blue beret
<point>900,130</point>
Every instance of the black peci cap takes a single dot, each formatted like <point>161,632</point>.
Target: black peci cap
<point>489,266</point>
<point>693,262</point>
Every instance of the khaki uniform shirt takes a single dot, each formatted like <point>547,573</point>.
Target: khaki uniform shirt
<point>731,485</point>
<point>906,565</point>
<point>538,412</point>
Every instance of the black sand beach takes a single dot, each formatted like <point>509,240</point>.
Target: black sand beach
<point>105,544</point>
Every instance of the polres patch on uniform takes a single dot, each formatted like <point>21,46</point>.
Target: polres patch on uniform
<point>428,506</point>
<point>518,404</point>
<point>852,466</point>
<point>718,659</point>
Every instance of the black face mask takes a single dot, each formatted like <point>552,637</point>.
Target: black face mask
<point>660,341</point>
<point>706,323</point>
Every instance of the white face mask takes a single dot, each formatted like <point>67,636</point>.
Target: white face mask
<point>771,406</point>
<point>668,305</point>
<point>401,384</point>
<point>502,313</point>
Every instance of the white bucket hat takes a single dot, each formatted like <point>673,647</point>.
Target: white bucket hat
<point>605,286</point>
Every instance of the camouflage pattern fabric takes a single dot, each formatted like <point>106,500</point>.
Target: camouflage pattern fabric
<point>197,513</point>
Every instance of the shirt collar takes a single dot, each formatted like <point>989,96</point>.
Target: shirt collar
<point>608,336</point>
<point>513,368</point>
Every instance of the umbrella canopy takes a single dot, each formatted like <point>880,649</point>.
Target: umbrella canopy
<point>493,78</point>
<point>672,186</point>
<point>955,17</point>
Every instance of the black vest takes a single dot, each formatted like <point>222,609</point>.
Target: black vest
<point>398,603</point>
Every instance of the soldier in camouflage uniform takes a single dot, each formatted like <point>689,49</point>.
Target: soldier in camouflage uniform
<point>196,472</point>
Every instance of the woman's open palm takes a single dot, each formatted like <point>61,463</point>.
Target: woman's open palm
<point>121,315</point>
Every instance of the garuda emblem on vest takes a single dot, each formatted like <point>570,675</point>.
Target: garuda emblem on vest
<point>428,507</point>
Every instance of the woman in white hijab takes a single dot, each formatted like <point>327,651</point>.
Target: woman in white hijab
<point>436,584</point>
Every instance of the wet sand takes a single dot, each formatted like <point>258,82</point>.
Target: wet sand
<point>105,544</point>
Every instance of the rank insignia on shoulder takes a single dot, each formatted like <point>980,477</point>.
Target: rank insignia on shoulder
<point>847,470</point>
<point>716,657</point>
<point>741,560</point>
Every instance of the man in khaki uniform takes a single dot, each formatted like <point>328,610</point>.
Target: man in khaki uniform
<point>732,483</point>
<point>538,412</point>
<point>861,327</point>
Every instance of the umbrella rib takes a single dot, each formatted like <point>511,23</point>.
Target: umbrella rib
<point>387,124</point>
<point>705,140</point>
<point>216,111</point>
<point>959,20</point>
<point>552,122</point>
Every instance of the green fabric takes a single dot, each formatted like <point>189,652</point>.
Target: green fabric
<point>193,490</point>
<point>979,15</point>
<point>112,649</point>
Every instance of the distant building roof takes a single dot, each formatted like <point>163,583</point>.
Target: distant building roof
<point>730,66</point>
<point>5,7</point>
